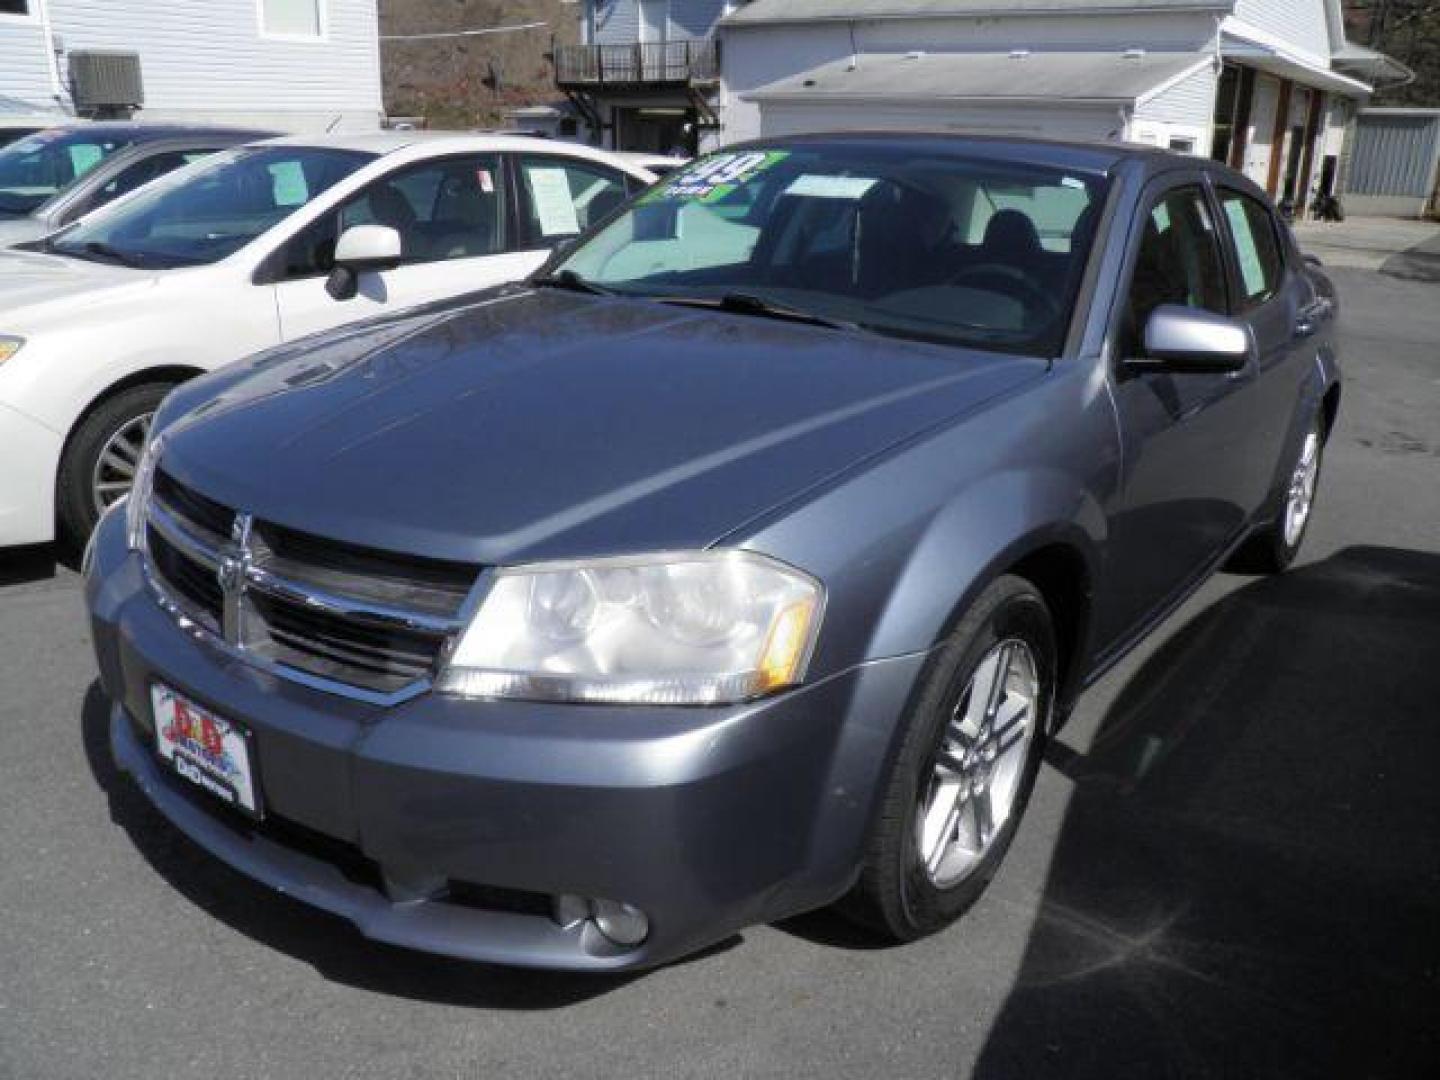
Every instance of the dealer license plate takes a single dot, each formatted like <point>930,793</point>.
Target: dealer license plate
<point>209,751</point>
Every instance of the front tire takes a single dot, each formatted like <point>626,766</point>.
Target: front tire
<point>965,769</point>
<point>99,462</point>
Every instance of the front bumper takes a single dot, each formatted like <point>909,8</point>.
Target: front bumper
<point>706,819</point>
<point>27,479</point>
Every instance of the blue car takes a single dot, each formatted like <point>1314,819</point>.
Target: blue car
<point>739,563</point>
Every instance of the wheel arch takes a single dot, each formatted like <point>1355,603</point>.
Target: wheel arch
<point>1330,408</point>
<point>166,373</point>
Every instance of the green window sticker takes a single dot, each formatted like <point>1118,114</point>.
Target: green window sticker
<point>84,157</point>
<point>289,188</point>
<point>717,176</point>
<point>1252,271</point>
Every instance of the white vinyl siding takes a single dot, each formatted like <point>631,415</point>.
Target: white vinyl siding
<point>24,72</point>
<point>618,21</point>
<point>1190,101</point>
<point>1179,116</point>
<point>211,58</point>
<point>1300,24</point>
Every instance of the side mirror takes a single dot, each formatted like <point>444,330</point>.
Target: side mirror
<point>362,249</point>
<point>1189,340</point>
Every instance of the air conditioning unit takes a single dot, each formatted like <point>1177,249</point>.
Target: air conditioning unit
<point>106,82</point>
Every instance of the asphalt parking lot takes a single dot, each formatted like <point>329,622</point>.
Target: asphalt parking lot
<point>1231,866</point>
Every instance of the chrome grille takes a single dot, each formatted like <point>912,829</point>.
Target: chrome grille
<point>354,620</point>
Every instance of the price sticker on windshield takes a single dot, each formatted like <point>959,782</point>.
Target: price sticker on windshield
<point>717,176</point>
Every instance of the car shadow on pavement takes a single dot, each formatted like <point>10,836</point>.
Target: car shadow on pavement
<point>328,943</point>
<point>1247,880</point>
<point>24,565</point>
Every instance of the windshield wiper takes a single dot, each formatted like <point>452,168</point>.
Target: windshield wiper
<point>569,279</point>
<point>738,303</point>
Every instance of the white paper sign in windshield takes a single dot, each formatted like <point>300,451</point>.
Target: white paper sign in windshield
<point>554,206</point>
<point>831,187</point>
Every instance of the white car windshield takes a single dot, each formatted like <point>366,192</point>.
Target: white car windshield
<point>35,169</point>
<point>938,246</point>
<point>202,214</point>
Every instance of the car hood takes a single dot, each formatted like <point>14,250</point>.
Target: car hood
<point>17,230</point>
<point>34,284</point>
<point>541,424</point>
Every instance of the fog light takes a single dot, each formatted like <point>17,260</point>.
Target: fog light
<point>621,923</point>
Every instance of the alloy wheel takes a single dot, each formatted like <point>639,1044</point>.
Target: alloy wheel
<point>114,472</point>
<point>976,774</point>
<point>1301,496</point>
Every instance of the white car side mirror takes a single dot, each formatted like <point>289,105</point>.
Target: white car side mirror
<point>362,249</point>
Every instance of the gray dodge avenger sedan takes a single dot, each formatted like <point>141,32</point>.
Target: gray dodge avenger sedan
<point>740,562</point>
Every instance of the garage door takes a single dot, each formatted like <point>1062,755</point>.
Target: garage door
<point>792,118</point>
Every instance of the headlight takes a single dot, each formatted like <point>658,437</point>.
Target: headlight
<point>138,501</point>
<point>701,628</point>
<point>9,346</point>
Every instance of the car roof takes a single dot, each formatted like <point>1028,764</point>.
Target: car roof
<point>1097,157</point>
<point>383,143</point>
<point>145,131</point>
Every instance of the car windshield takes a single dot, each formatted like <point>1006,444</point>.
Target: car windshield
<point>899,240</point>
<point>203,213</point>
<point>35,169</point>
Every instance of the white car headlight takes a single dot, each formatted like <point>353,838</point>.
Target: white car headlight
<point>701,628</point>
<point>9,346</point>
<point>138,501</point>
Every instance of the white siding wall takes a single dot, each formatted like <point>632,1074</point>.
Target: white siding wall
<point>618,22</point>
<point>755,56</point>
<point>24,72</point>
<point>1300,24</point>
<point>1183,111</point>
<point>207,60</point>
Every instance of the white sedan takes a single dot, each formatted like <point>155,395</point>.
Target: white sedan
<point>250,248</point>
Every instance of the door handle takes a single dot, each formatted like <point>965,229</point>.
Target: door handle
<point>1307,324</point>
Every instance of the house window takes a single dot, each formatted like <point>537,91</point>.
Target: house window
<point>292,18</point>
<point>15,7</point>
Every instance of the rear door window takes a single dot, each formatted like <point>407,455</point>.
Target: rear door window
<point>562,197</point>
<point>1255,247</point>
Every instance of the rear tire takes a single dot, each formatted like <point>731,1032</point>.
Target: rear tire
<point>1273,548</point>
<point>101,457</point>
<point>922,869</point>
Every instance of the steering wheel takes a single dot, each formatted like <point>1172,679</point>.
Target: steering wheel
<point>1013,282</point>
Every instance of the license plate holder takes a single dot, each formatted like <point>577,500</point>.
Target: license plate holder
<point>212,752</point>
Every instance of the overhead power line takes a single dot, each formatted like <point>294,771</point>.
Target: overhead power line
<point>465,33</point>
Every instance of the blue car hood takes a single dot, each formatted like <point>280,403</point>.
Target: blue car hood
<point>541,424</point>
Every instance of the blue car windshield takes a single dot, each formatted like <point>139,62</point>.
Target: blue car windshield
<point>35,169</point>
<point>928,245</point>
<point>201,214</point>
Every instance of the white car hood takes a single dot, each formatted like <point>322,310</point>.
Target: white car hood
<point>34,285</point>
<point>18,230</point>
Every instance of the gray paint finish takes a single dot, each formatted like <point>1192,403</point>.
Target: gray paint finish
<point>528,424</point>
